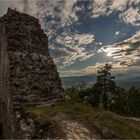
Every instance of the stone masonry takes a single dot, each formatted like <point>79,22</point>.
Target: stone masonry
<point>28,75</point>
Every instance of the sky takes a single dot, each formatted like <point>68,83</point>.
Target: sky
<point>84,34</point>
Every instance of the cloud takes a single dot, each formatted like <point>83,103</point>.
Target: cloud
<point>98,43</point>
<point>127,51</point>
<point>4,4</point>
<point>106,7</point>
<point>75,47</point>
<point>117,33</point>
<point>84,38</point>
<point>84,71</point>
<point>128,10</point>
<point>57,12</point>
<point>132,15</point>
<point>119,5</point>
<point>64,71</point>
<point>69,72</point>
<point>68,12</point>
<point>93,69</point>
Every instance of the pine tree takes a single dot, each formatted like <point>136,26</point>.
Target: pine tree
<point>105,84</point>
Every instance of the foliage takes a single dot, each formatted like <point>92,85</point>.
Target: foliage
<point>105,92</point>
<point>105,84</point>
<point>80,93</point>
<point>127,102</point>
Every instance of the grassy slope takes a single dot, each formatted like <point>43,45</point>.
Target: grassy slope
<point>109,124</point>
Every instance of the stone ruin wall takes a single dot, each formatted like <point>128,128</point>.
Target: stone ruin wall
<point>33,75</point>
<point>28,74</point>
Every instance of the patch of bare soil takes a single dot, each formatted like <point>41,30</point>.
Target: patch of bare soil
<point>48,129</point>
<point>77,128</point>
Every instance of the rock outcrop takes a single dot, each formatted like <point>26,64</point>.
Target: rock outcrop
<point>28,75</point>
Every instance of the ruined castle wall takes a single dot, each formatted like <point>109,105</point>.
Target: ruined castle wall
<point>33,74</point>
<point>28,75</point>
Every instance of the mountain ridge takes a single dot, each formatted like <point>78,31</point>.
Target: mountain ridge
<point>90,79</point>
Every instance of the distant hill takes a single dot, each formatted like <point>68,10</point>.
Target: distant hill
<point>121,80</point>
<point>76,80</point>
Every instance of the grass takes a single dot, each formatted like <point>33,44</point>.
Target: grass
<point>111,125</point>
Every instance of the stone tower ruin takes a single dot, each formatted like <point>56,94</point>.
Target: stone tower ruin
<point>28,75</point>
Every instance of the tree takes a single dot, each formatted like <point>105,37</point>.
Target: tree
<point>105,84</point>
<point>127,102</point>
<point>133,101</point>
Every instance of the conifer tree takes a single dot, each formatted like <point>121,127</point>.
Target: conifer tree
<point>105,84</point>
